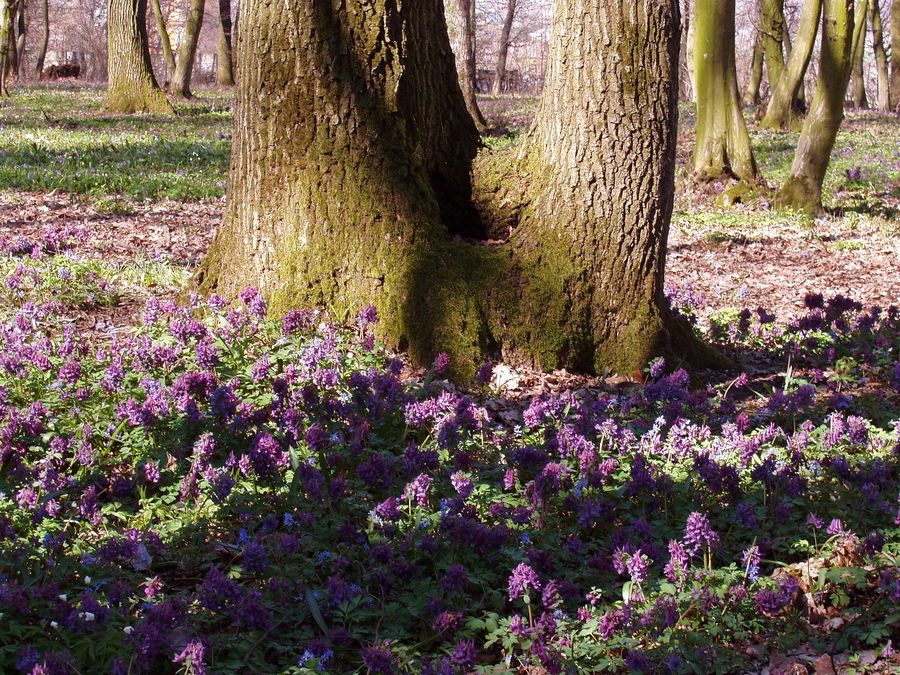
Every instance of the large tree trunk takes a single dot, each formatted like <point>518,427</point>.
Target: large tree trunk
<point>45,38</point>
<point>468,75</point>
<point>772,32</point>
<point>351,185</point>
<point>780,111</point>
<point>722,145</point>
<point>895,56</point>
<point>180,87</point>
<point>803,189</point>
<point>857,57</point>
<point>5,36</point>
<point>225,60</point>
<point>168,54</point>
<point>503,48</point>
<point>881,65</point>
<point>751,93</point>
<point>132,86</point>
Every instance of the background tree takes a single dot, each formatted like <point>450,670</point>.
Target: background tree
<point>881,65</point>
<point>467,68</point>
<point>857,57</point>
<point>22,24</point>
<point>503,47</point>
<point>772,29</point>
<point>224,62</point>
<point>165,42</point>
<point>895,56</point>
<point>722,144</point>
<point>349,186</point>
<point>45,38</point>
<point>803,189</point>
<point>751,93</point>
<point>5,39</point>
<point>180,86</point>
<point>132,86</point>
<point>781,108</point>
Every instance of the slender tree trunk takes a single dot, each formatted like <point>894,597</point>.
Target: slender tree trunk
<point>132,86</point>
<point>45,38</point>
<point>22,25</point>
<point>349,186</point>
<point>751,93</point>
<point>722,145</point>
<point>895,56</point>
<point>180,86</point>
<point>803,189</point>
<point>12,59</point>
<point>857,58</point>
<point>468,76</point>
<point>168,54</point>
<point>5,34</point>
<point>224,62</point>
<point>772,31</point>
<point>503,47</point>
<point>799,102</point>
<point>685,68</point>
<point>780,111</point>
<point>881,64</point>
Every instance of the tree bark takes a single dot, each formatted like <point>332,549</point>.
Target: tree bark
<point>22,24</point>
<point>751,93</point>
<point>45,38</point>
<point>895,56</point>
<point>881,64</point>
<point>503,48</point>
<point>857,58</point>
<point>225,61</point>
<point>780,111</point>
<point>468,76</point>
<point>350,184</point>
<point>685,59</point>
<point>5,35</point>
<point>803,189</point>
<point>168,54</point>
<point>722,144</point>
<point>180,86</point>
<point>132,86</point>
<point>772,32</point>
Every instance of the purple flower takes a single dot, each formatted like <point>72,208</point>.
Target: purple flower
<point>812,520</point>
<point>464,653</point>
<point>378,659</point>
<point>522,578</point>
<point>366,316</point>
<point>447,623</point>
<point>254,302</point>
<point>455,579</point>
<point>699,533</point>
<point>461,483</point>
<point>418,489</point>
<point>750,560</point>
<point>193,655</point>
<point>441,361</point>
<point>484,373</point>
<point>836,527</point>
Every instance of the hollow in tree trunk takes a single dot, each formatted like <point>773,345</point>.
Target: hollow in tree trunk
<point>751,93</point>
<point>857,57</point>
<point>881,65</point>
<point>351,185</point>
<point>503,48</point>
<point>168,54</point>
<point>780,113</point>
<point>45,39</point>
<point>224,61</point>
<point>722,144</point>
<point>803,189</point>
<point>132,86</point>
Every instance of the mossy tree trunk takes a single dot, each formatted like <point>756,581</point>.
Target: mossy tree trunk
<point>350,184</point>
<point>224,60</point>
<point>722,144</point>
<point>895,56</point>
<point>180,86</point>
<point>857,57</point>
<point>468,72</point>
<point>772,32</point>
<point>5,34</point>
<point>45,39</point>
<point>165,41</point>
<point>503,47</point>
<point>803,189</point>
<point>780,113</point>
<point>754,83</point>
<point>881,64</point>
<point>131,87</point>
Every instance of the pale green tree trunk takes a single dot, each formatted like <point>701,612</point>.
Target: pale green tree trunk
<point>225,60</point>
<point>352,186</point>
<point>803,189</point>
<point>503,47</point>
<point>45,39</point>
<point>780,111</point>
<point>895,56</point>
<point>131,87</point>
<point>881,64</point>
<point>722,144</point>
<point>772,33</point>
<point>685,65</point>
<point>857,57</point>
<point>180,86</point>
<point>751,93</point>
<point>5,35</point>
<point>168,54</point>
<point>22,24</point>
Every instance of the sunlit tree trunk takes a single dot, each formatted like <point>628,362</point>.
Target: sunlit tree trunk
<point>503,47</point>
<point>132,86</point>
<point>722,144</point>
<point>895,56</point>
<point>751,93</point>
<point>180,86</point>
<point>351,186</point>
<point>168,54</point>
<point>857,57</point>
<point>225,60</point>
<point>468,74</point>
<point>803,189</point>
<point>780,111</point>
<point>881,64</point>
<point>5,35</point>
<point>45,39</point>
<point>685,63</point>
<point>22,23</point>
<point>772,33</point>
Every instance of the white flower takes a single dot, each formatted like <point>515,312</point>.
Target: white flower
<point>128,630</point>
<point>87,580</point>
<point>63,597</point>
<point>53,624</point>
